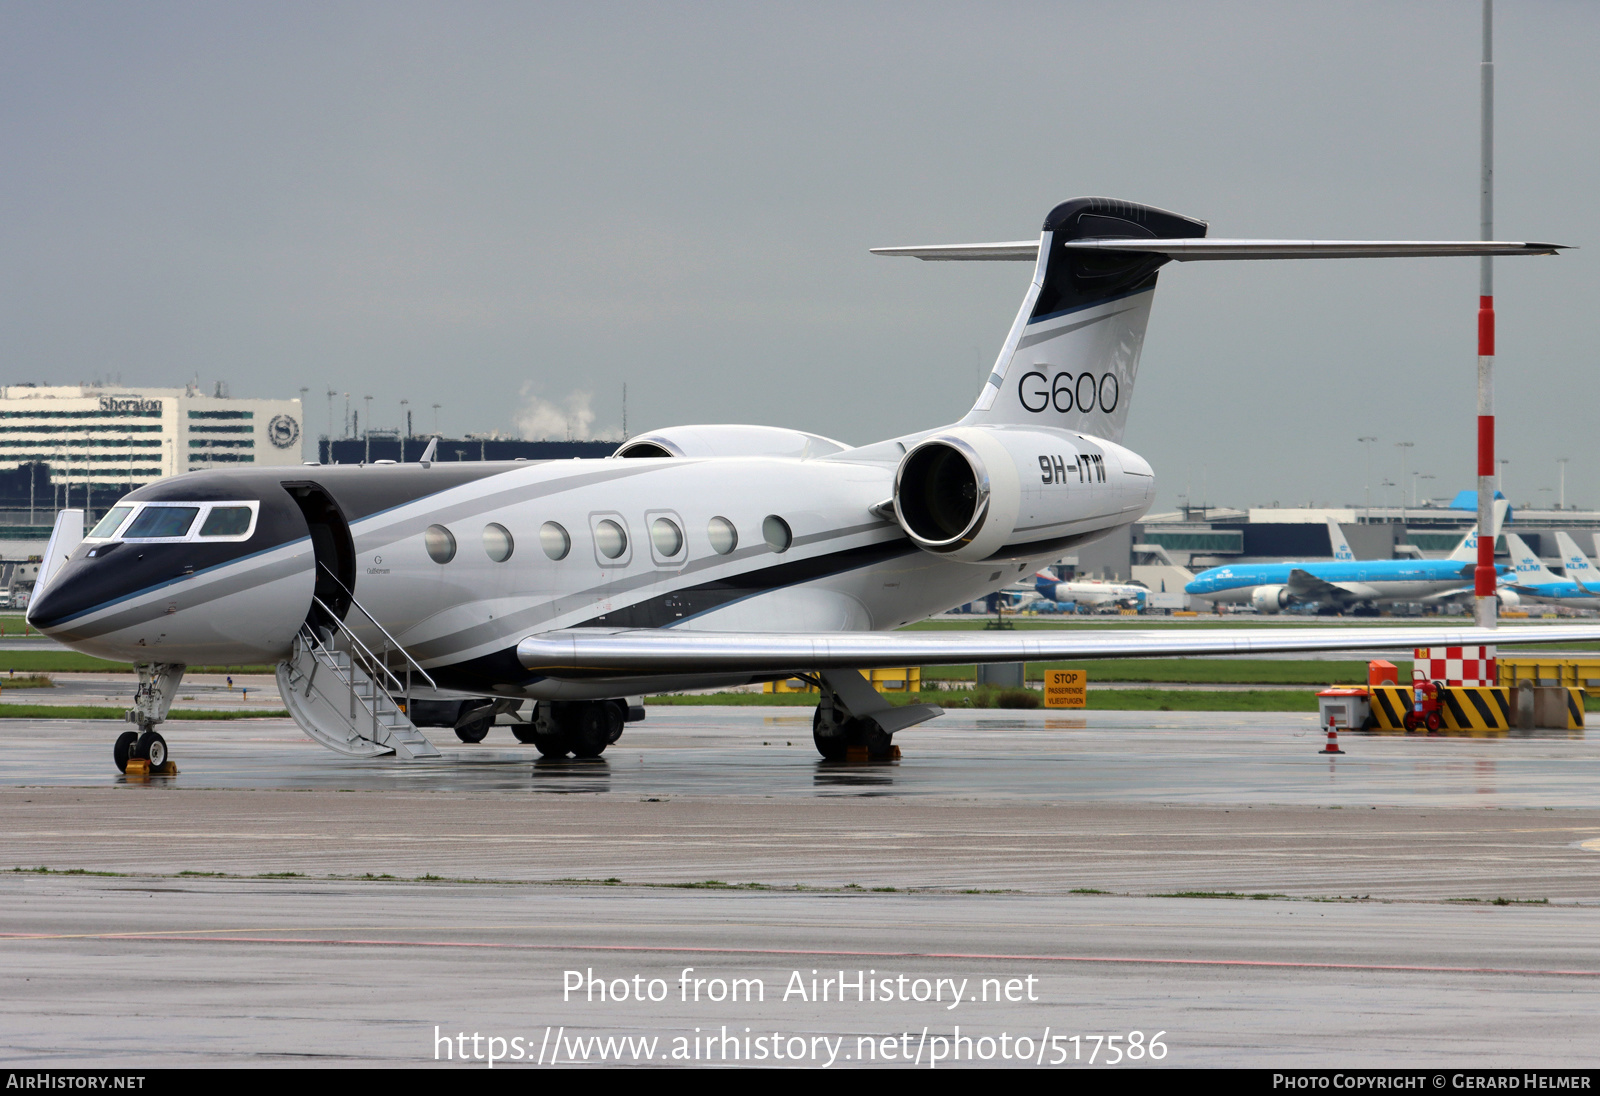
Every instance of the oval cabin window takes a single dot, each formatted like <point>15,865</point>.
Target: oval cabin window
<point>554,540</point>
<point>497,542</point>
<point>440,542</point>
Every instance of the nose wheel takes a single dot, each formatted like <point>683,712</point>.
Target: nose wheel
<point>153,748</point>
<point>148,747</point>
<point>123,750</point>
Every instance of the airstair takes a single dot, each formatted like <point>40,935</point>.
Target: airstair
<point>341,693</point>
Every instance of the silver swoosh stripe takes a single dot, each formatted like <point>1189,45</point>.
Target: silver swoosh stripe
<point>1046,336</point>
<point>405,520</point>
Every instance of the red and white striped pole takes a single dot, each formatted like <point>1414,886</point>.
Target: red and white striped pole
<point>1483,586</point>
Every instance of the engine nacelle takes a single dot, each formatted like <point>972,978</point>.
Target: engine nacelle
<point>728,440</point>
<point>1509,599</point>
<point>979,493</point>
<point>1270,599</point>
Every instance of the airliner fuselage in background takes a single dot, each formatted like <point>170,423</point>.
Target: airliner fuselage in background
<point>1346,583</point>
<point>443,593</point>
<point>1273,587</point>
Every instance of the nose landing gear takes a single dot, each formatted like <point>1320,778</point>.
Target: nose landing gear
<point>145,748</point>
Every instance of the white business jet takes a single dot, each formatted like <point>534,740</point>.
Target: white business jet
<point>442,594</point>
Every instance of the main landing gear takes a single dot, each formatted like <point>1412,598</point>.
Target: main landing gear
<point>583,728</point>
<point>835,732</point>
<point>145,748</point>
<point>852,716</point>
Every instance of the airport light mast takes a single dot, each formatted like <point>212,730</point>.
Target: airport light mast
<point>1483,585</point>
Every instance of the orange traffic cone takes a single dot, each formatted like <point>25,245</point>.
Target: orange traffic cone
<point>1333,739</point>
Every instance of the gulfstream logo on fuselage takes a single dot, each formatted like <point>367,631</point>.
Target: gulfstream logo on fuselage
<point>111,403</point>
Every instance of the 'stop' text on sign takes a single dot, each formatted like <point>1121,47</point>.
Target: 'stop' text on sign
<point>1066,688</point>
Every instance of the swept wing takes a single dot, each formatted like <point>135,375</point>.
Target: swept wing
<point>580,652</point>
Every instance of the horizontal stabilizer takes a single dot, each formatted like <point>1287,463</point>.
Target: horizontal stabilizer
<point>1195,250</point>
<point>597,652</point>
<point>1017,251</point>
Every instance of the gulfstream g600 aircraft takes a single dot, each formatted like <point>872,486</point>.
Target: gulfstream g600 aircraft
<point>437,594</point>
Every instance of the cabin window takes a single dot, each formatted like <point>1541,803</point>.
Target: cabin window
<point>610,538</point>
<point>777,533</point>
<point>554,540</point>
<point>226,521</point>
<point>497,542</point>
<point>108,525</point>
<point>666,536</point>
<point>723,536</point>
<point>156,522</point>
<point>440,542</point>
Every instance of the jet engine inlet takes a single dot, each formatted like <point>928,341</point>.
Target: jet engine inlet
<point>957,493</point>
<point>942,495</point>
<point>1270,599</point>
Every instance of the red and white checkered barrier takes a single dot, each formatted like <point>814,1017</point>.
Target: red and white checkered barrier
<point>1456,665</point>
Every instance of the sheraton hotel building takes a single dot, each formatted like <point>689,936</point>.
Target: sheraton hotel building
<point>85,446</point>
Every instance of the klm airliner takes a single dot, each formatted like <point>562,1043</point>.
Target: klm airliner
<point>1346,583</point>
<point>1536,582</point>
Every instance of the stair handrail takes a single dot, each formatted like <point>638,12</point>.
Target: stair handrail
<point>361,649</point>
<point>398,646</point>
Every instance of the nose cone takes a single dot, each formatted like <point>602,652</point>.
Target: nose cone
<point>78,587</point>
<point>44,610</point>
<point>1198,586</point>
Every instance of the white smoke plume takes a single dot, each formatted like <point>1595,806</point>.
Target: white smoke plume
<point>541,419</point>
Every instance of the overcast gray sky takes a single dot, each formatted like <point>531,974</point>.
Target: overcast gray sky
<point>489,205</point>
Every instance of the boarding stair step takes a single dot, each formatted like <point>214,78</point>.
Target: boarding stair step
<point>339,705</point>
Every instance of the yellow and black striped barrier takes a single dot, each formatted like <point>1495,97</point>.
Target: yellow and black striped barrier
<point>1574,708</point>
<point>1475,707</point>
<point>1390,703</point>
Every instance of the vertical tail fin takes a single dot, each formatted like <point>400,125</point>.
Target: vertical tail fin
<point>1467,550</point>
<point>1530,569</point>
<point>1340,546</point>
<point>1072,355</point>
<point>1574,561</point>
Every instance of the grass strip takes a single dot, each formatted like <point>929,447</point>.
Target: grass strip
<point>86,711</point>
<point>1104,700</point>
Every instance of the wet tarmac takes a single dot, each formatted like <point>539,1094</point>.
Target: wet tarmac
<point>1417,901</point>
<point>1119,757</point>
<point>181,972</point>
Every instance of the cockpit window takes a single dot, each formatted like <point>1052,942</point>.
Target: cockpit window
<point>226,521</point>
<point>108,525</point>
<point>162,521</point>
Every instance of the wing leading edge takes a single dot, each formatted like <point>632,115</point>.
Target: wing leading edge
<point>596,652</point>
